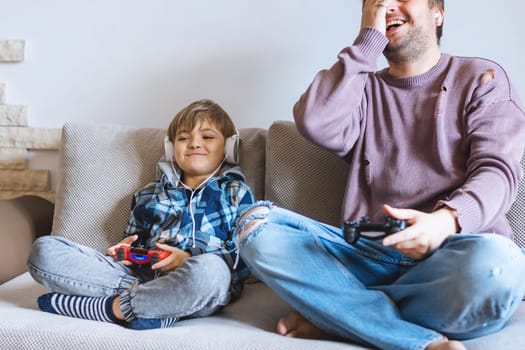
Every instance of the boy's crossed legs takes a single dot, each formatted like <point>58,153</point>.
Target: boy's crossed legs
<point>93,286</point>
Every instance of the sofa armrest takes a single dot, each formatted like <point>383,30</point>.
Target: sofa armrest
<point>23,219</point>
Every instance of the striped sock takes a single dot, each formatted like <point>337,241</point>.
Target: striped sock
<point>89,308</point>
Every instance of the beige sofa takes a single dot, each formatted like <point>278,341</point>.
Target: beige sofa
<point>101,166</point>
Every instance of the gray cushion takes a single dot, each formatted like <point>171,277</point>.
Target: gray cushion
<point>102,165</point>
<point>303,177</point>
<point>516,215</point>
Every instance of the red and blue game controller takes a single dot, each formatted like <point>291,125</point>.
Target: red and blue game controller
<point>141,256</point>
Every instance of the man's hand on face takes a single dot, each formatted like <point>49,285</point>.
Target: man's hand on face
<point>374,14</point>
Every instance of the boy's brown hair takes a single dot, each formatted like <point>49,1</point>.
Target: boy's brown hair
<point>206,109</point>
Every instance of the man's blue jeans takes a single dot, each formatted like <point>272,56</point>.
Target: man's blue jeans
<point>373,295</point>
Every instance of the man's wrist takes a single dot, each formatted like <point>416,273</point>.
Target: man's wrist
<point>451,216</point>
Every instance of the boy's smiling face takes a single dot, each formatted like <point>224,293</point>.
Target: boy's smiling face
<point>199,152</point>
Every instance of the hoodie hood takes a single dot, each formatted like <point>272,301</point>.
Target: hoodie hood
<point>169,172</point>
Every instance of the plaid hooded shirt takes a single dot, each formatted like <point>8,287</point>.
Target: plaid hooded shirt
<point>199,221</point>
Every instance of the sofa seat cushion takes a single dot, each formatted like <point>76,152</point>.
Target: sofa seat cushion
<point>246,324</point>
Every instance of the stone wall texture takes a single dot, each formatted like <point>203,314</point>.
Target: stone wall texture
<point>17,138</point>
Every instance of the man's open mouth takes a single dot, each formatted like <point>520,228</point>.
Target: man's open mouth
<point>393,24</point>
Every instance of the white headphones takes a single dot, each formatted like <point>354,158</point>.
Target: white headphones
<point>231,148</point>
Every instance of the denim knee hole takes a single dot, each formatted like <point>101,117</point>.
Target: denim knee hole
<point>251,220</point>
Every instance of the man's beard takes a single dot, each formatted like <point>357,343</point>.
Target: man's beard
<point>409,47</point>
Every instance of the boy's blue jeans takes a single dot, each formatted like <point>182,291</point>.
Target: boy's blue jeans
<point>197,288</point>
<point>373,295</point>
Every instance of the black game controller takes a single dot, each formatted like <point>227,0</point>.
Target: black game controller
<point>353,230</point>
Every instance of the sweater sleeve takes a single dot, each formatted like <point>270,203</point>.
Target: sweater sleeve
<point>495,140</point>
<point>328,112</point>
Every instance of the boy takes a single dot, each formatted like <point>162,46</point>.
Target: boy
<point>188,211</point>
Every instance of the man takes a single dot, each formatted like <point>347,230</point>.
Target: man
<point>433,139</point>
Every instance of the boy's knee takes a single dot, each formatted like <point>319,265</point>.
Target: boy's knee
<point>209,270</point>
<point>40,246</point>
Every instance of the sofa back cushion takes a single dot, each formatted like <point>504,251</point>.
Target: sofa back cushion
<point>516,214</point>
<point>101,166</point>
<point>303,177</point>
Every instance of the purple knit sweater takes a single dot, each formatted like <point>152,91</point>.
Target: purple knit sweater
<point>440,138</point>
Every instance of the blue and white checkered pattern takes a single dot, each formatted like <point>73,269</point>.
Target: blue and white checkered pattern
<point>161,212</point>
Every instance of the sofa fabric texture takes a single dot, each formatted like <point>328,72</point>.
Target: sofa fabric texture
<point>516,214</point>
<point>100,168</point>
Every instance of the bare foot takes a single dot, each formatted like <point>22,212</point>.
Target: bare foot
<point>445,344</point>
<point>296,326</point>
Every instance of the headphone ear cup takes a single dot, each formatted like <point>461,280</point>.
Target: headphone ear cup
<point>168,149</point>
<point>231,149</point>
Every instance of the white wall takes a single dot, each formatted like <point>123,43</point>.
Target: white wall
<point>137,62</point>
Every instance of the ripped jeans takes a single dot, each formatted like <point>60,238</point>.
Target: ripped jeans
<point>373,295</point>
